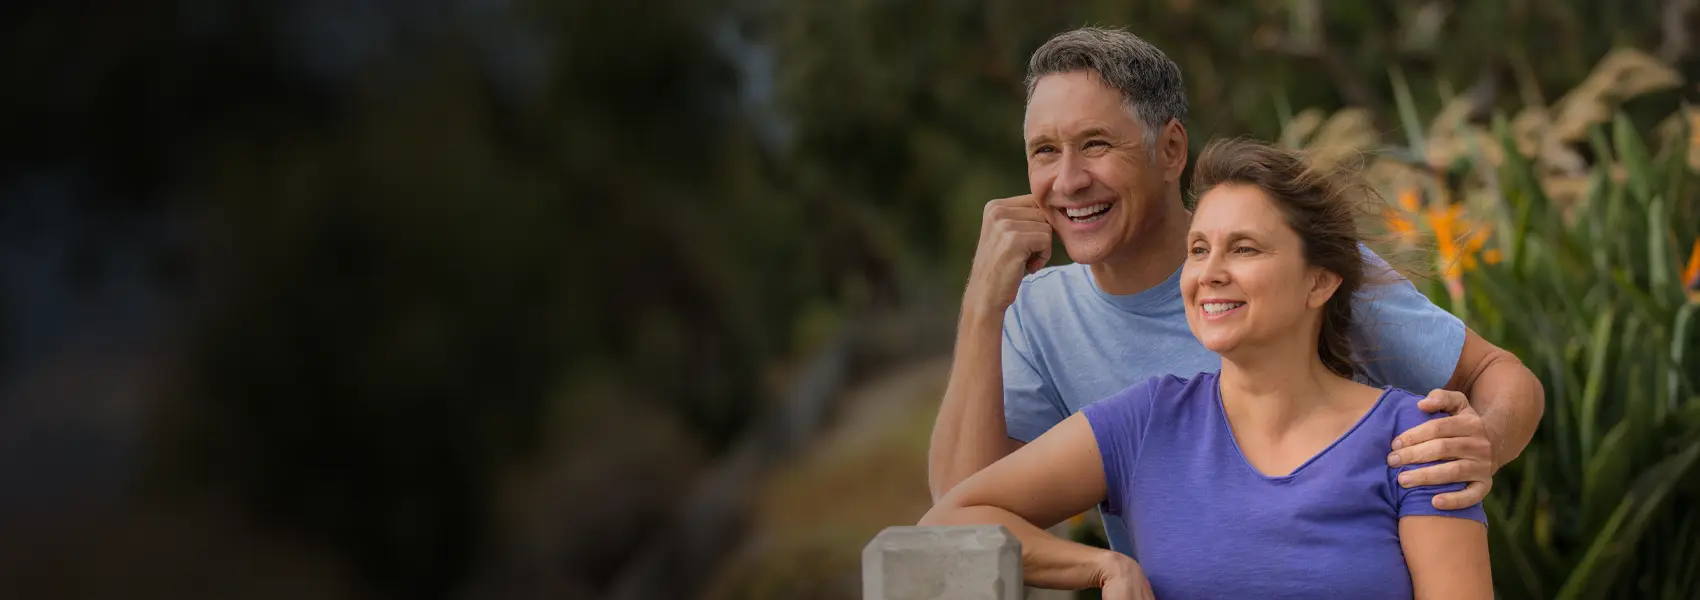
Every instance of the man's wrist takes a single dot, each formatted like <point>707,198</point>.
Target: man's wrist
<point>978,315</point>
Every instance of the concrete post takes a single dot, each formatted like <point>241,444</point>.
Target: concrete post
<point>974,562</point>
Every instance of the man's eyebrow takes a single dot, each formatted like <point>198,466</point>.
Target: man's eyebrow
<point>1092,132</point>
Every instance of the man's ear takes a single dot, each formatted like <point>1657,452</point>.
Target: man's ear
<point>1172,150</point>
<point>1323,284</point>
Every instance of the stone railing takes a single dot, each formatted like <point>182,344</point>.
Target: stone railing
<point>970,562</point>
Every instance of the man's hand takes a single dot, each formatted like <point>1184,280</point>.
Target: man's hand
<point>1461,439</point>
<point>1015,240</point>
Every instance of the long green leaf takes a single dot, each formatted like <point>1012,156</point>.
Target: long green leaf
<point>1608,470</point>
<point>1679,344</point>
<point>1659,271</point>
<point>1407,111</point>
<point>1598,351</point>
<point>1597,571</point>
<point>1633,153</point>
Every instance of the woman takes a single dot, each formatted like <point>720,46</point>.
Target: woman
<point>1268,478</point>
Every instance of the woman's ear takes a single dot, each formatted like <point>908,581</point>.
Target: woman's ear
<point>1323,283</point>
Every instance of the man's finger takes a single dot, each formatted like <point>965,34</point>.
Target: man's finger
<point>1040,259</point>
<point>1444,427</point>
<point>1443,473</point>
<point>1024,200</point>
<point>1035,242</point>
<point>1441,449</point>
<point>1471,494</point>
<point>1457,471</point>
<point>1017,213</point>
<point>1024,227</point>
<point>1447,400</point>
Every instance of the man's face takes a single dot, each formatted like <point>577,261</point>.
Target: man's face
<point>1089,167</point>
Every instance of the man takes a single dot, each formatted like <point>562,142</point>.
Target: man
<point>1106,144</point>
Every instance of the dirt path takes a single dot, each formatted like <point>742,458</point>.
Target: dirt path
<point>866,472</point>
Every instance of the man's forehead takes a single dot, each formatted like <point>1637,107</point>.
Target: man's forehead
<point>1069,128</point>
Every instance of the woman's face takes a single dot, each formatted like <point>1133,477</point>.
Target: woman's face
<point>1245,282</point>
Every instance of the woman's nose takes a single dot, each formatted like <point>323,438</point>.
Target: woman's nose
<point>1215,272</point>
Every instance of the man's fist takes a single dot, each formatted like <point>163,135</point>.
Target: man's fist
<point>1015,240</point>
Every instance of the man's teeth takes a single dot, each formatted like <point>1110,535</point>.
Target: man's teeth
<point>1086,213</point>
<point>1221,307</point>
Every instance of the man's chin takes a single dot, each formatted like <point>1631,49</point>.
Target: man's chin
<point>1087,254</point>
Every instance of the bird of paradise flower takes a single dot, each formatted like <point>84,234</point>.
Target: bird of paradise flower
<point>1459,241</point>
<point>1691,274</point>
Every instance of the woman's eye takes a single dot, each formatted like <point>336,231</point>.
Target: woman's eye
<point>1246,250</point>
<point>1199,251</point>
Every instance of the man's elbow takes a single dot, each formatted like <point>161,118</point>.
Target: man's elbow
<point>1529,391</point>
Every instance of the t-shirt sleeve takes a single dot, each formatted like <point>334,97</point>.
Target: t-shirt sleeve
<point>1419,500</point>
<point>1118,423</point>
<point>1404,340</point>
<point>1031,405</point>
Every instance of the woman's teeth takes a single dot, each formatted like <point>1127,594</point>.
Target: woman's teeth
<point>1087,214</point>
<point>1216,308</point>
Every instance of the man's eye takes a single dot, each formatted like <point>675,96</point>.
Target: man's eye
<point>1092,143</point>
<point>1044,150</point>
<point>1199,250</point>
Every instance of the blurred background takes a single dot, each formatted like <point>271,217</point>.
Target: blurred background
<point>517,299</point>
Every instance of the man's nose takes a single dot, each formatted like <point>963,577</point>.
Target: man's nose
<point>1071,175</point>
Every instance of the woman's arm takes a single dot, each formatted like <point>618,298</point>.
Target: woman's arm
<point>1057,476</point>
<point>1448,557</point>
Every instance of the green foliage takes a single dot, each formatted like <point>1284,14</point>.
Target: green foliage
<point>1605,503</point>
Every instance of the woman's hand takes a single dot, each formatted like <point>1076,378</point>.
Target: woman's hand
<point>1122,579</point>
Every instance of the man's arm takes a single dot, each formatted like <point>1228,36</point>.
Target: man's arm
<point>1507,395</point>
<point>1496,404</point>
<point>970,432</point>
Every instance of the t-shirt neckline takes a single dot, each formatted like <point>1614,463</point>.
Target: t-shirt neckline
<point>1147,301</point>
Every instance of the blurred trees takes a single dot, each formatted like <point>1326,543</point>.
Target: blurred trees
<point>425,254</point>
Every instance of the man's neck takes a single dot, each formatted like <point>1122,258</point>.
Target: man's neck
<point>1148,261</point>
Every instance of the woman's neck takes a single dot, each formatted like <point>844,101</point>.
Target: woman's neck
<point>1277,387</point>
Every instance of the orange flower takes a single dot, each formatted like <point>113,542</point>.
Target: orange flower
<point>1409,200</point>
<point>1458,242</point>
<point>1442,218</point>
<point>1691,274</point>
<point>1399,224</point>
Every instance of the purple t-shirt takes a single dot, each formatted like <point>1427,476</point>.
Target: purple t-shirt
<point>1206,524</point>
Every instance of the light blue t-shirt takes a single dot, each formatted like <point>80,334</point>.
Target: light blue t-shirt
<point>1067,344</point>
<point>1208,524</point>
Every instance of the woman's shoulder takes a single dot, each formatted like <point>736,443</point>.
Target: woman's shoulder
<point>1401,410</point>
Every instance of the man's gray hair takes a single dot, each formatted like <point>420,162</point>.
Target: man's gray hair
<point>1149,82</point>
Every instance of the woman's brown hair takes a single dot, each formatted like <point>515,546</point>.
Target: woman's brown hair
<point>1321,205</point>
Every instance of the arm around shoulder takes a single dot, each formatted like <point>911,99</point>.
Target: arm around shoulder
<point>1507,395</point>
